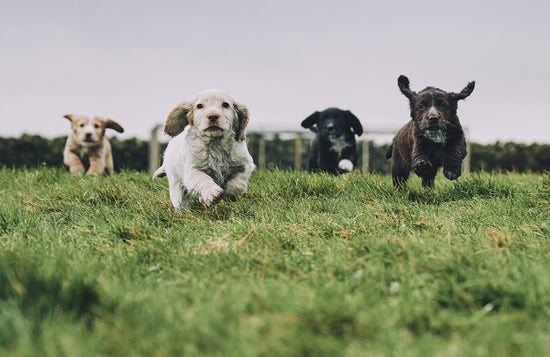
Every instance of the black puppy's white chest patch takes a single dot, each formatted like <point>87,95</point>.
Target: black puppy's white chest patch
<point>338,144</point>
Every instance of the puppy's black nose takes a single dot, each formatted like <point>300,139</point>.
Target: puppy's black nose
<point>88,136</point>
<point>330,127</point>
<point>433,118</point>
<point>213,117</point>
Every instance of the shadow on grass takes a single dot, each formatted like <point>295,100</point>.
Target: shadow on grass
<point>39,293</point>
<point>472,186</point>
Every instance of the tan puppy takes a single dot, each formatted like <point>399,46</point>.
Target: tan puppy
<point>87,141</point>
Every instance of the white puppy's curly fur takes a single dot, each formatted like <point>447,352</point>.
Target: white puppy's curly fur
<point>207,155</point>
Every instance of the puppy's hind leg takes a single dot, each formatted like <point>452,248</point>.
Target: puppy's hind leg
<point>109,166</point>
<point>399,171</point>
<point>427,172</point>
<point>178,196</point>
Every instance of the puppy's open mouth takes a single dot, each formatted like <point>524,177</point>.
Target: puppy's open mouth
<point>435,134</point>
<point>88,142</point>
<point>213,128</point>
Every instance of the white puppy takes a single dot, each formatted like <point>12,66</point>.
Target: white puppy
<point>207,155</point>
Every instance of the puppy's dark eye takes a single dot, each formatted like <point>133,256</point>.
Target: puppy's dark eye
<point>225,105</point>
<point>81,125</point>
<point>199,106</point>
<point>421,107</point>
<point>442,105</point>
<point>96,126</point>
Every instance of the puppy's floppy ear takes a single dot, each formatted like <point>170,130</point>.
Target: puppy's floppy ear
<point>403,84</point>
<point>242,121</point>
<point>71,118</point>
<point>311,121</point>
<point>111,124</point>
<point>179,118</point>
<point>354,123</point>
<point>466,91</point>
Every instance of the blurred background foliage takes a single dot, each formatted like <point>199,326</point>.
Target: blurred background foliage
<point>133,154</point>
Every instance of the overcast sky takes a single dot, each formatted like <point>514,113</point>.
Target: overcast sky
<point>133,61</point>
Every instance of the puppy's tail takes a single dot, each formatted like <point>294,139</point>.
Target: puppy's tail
<point>389,152</point>
<point>161,171</point>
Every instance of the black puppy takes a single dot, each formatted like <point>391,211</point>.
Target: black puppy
<point>433,138</point>
<point>333,148</point>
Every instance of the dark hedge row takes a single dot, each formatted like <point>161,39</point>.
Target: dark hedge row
<point>33,150</point>
<point>132,154</point>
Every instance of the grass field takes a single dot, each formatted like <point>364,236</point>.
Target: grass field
<point>304,265</point>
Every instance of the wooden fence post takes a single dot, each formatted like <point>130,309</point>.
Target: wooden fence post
<point>154,150</point>
<point>261,152</point>
<point>365,156</point>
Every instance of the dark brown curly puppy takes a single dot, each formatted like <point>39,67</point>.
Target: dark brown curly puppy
<point>433,138</point>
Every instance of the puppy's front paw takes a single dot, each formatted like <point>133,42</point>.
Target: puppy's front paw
<point>210,195</point>
<point>423,168</point>
<point>452,174</point>
<point>345,165</point>
<point>235,187</point>
<point>77,170</point>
